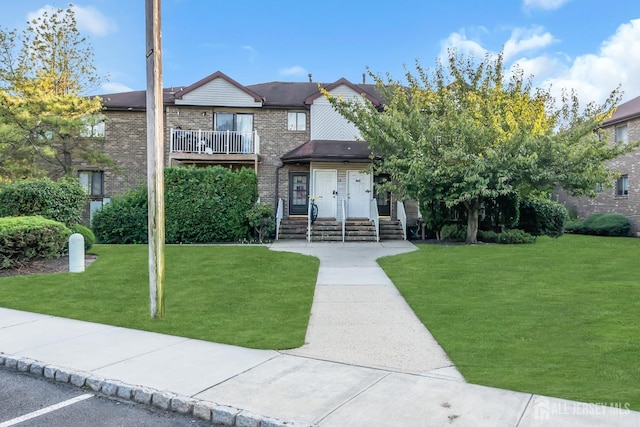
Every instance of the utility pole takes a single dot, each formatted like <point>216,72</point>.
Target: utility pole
<point>155,157</point>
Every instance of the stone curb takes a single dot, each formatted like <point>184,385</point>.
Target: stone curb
<point>218,415</point>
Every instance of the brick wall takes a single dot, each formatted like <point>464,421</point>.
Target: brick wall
<point>607,200</point>
<point>125,143</point>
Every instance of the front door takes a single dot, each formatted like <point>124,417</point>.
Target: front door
<point>383,198</point>
<point>298,193</point>
<point>325,190</point>
<point>358,194</point>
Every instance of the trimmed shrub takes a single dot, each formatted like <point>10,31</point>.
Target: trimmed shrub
<point>89,237</point>
<point>542,217</point>
<point>574,226</point>
<point>124,219</point>
<point>606,224</point>
<point>31,237</point>
<point>202,205</point>
<point>506,237</point>
<point>61,201</point>
<point>260,217</point>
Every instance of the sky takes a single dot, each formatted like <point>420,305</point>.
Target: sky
<point>588,45</point>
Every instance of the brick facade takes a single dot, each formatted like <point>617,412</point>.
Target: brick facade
<point>607,200</point>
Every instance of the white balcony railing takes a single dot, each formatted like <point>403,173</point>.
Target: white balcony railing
<point>214,142</point>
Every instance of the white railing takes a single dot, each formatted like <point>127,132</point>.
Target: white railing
<point>214,142</point>
<point>344,219</point>
<point>373,216</point>
<point>309,219</point>
<point>402,217</point>
<point>279,214</point>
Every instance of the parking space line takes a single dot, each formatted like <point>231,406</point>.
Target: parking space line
<point>45,410</point>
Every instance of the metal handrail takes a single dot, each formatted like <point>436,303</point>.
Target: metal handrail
<point>213,142</point>
<point>344,219</point>
<point>402,217</point>
<point>374,216</point>
<point>279,214</point>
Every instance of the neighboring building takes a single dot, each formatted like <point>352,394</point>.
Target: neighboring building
<point>299,146</point>
<point>624,196</point>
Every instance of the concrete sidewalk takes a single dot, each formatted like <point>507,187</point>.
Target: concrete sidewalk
<point>367,362</point>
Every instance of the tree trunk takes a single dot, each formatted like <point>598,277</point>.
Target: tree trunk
<point>473,213</point>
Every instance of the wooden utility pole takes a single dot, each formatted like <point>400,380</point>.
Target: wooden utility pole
<point>155,157</point>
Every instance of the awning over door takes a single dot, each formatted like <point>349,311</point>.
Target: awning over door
<point>329,151</point>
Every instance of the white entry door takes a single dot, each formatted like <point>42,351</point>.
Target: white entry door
<point>358,194</point>
<point>325,189</point>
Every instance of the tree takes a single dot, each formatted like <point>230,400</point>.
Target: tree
<point>469,132</point>
<point>43,115</point>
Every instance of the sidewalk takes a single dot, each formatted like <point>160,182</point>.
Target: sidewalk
<point>367,361</point>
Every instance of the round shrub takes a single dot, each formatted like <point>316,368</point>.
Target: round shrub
<point>542,217</point>
<point>260,217</point>
<point>606,224</point>
<point>27,238</point>
<point>61,201</point>
<point>89,237</point>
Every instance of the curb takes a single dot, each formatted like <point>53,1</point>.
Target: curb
<point>218,415</point>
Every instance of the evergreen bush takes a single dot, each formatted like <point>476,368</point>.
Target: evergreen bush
<point>606,224</point>
<point>61,201</point>
<point>27,238</point>
<point>542,217</point>
<point>89,237</point>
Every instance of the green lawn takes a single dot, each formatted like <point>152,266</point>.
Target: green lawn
<point>559,317</point>
<point>241,295</point>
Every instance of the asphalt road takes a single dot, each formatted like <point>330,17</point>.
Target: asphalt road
<point>27,400</point>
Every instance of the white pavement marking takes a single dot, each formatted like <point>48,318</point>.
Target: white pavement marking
<point>46,410</point>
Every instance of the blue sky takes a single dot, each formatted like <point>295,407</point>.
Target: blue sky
<point>589,45</point>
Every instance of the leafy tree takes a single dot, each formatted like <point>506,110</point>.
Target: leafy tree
<point>43,115</point>
<point>469,131</point>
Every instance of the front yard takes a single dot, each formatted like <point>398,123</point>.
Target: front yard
<point>559,317</point>
<point>247,295</point>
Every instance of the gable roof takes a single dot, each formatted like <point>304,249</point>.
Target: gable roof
<point>344,82</point>
<point>626,111</point>
<point>211,77</point>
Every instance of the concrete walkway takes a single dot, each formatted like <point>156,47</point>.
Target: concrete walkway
<point>367,362</point>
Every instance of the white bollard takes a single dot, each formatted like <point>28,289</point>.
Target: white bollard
<point>76,253</point>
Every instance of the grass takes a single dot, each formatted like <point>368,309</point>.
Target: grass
<point>558,318</point>
<point>241,295</point>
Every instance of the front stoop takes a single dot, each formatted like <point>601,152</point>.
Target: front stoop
<point>330,230</point>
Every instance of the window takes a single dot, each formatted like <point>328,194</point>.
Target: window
<point>234,122</point>
<point>622,186</point>
<point>93,127</point>
<point>297,121</point>
<point>93,182</point>
<point>622,134</point>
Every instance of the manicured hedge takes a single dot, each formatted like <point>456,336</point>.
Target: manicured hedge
<point>602,224</point>
<point>61,201</point>
<point>542,217</point>
<point>87,234</point>
<point>202,205</point>
<point>506,236</point>
<point>31,237</point>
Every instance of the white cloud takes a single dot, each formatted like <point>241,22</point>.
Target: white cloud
<point>524,40</point>
<point>544,4</point>
<point>539,68</point>
<point>88,19</point>
<point>114,87</point>
<point>296,70</point>
<point>462,44</point>
<point>251,50</point>
<point>594,76</point>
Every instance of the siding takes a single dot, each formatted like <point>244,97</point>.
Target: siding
<point>218,92</point>
<point>327,123</point>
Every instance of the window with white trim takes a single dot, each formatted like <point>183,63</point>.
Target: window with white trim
<point>92,182</point>
<point>297,121</point>
<point>622,186</point>
<point>622,134</point>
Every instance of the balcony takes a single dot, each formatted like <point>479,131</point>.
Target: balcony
<point>204,146</point>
